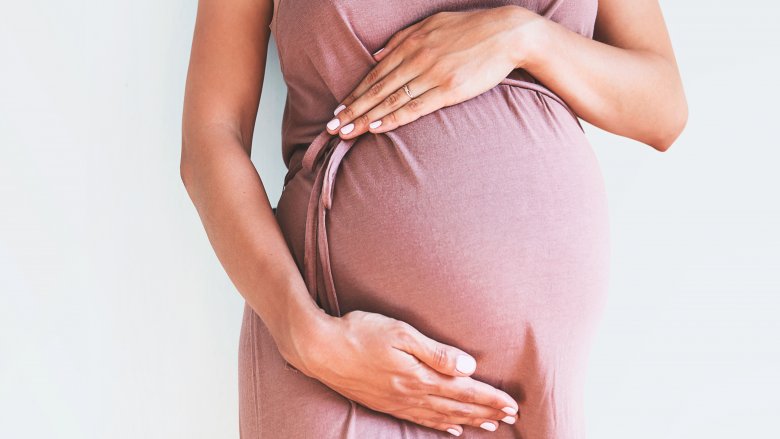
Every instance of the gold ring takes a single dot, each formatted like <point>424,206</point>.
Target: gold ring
<point>408,93</point>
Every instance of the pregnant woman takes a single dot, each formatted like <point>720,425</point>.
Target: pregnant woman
<point>439,257</point>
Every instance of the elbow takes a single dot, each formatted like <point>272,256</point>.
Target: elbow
<point>674,127</point>
<point>184,173</point>
<point>185,166</point>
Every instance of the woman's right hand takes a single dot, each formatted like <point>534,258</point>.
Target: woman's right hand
<point>389,366</point>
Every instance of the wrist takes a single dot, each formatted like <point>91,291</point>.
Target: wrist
<point>305,337</point>
<point>530,36</point>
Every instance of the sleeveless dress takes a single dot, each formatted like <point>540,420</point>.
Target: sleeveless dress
<point>483,224</point>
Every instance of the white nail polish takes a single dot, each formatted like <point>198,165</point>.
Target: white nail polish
<point>509,410</point>
<point>453,432</point>
<point>465,364</point>
<point>338,109</point>
<point>375,124</point>
<point>377,52</point>
<point>489,426</point>
<point>333,124</point>
<point>509,419</point>
<point>346,129</point>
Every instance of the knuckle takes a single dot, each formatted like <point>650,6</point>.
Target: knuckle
<point>467,395</point>
<point>401,331</point>
<point>422,53</point>
<point>496,402</point>
<point>440,355</point>
<point>393,119</point>
<point>425,381</point>
<point>430,379</point>
<point>348,113</point>
<point>462,411</point>
<point>427,23</point>
<point>453,79</point>
<point>372,76</point>
<point>424,403</point>
<point>376,89</point>
<point>415,104</point>
<point>393,99</point>
<point>362,120</point>
<point>397,386</point>
<point>416,386</point>
<point>399,36</point>
<point>416,37</point>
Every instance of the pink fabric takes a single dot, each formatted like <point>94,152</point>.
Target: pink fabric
<point>483,224</point>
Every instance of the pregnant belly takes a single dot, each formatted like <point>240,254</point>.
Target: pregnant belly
<point>483,224</point>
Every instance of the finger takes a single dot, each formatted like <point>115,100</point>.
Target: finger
<point>467,389</point>
<point>443,358</point>
<point>371,91</point>
<point>418,86</point>
<point>386,77</point>
<point>395,41</point>
<point>467,413</point>
<point>387,93</point>
<point>396,100</point>
<point>345,111</point>
<point>429,415</point>
<point>430,418</point>
<point>412,109</point>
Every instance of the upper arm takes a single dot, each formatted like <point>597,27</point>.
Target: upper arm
<point>227,66</point>
<point>634,25</point>
<point>638,25</point>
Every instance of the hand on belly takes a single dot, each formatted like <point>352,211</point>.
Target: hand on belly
<point>445,59</point>
<point>388,366</point>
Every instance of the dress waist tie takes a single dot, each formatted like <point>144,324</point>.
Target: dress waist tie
<point>321,198</point>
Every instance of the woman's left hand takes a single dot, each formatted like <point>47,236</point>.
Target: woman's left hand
<point>445,59</point>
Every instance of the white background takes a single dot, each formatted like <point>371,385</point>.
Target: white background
<point>117,320</point>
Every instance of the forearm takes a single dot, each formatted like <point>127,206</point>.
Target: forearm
<point>233,206</point>
<point>633,93</point>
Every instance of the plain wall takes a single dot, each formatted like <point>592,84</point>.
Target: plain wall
<point>117,320</point>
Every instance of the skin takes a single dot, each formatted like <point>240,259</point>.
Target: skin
<point>625,80</point>
<point>628,85</point>
<point>389,366</point>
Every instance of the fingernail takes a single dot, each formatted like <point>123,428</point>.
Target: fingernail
<point>489,426</point>
<point>346,129</point>
<point>338,109</point>
<point>333,124</point>
<point>375,124</point>
<point>509,419</point>
<point>453,432</point>
<point>509,410</point>
<point>465,364</point>
<point>377,52</point>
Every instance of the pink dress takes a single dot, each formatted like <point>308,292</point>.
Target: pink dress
<point>483,224</point>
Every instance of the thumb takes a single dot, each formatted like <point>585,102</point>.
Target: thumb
<point>441,357</point>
